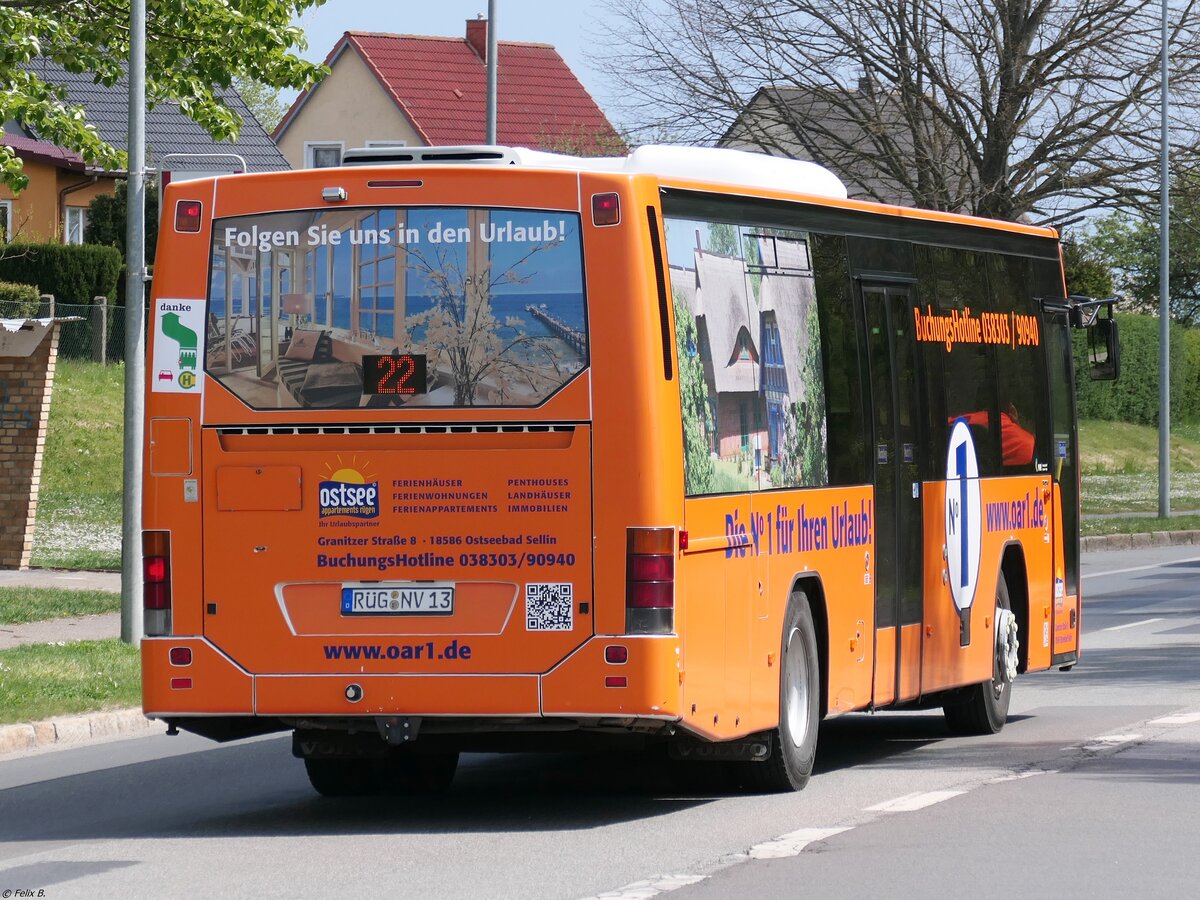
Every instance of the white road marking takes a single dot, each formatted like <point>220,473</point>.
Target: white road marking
<point>651,887</point>
<point>1106,741</point>
<point>1179,719</point>
<point>1017,776</point>
<point>912,802</point>
<point>1132,624</point>
<point>1090,575</point>
<point>791,844</point>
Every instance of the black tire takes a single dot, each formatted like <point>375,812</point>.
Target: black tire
<point>985,709</point>
<point>794,742</point>
<point>342,777</point>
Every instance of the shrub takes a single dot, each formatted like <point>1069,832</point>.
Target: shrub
<point>1134,398</point>
<point>73,273</point>
<point>18,301</point>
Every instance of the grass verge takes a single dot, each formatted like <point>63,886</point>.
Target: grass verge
<point>27,604</point>
<point>79,505</point>
<point>1123,525</point>
<point>39,681</point>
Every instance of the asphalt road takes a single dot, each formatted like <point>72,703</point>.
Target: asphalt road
<point>1089,789</point>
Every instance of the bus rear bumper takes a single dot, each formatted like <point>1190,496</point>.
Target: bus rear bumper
<point>209,683</point>
<point>626,677</point>
<point>589,683</point>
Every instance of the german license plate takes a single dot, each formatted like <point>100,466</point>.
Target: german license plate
<point>397,599</point>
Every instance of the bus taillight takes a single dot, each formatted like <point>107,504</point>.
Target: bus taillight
<point>650,581</point>
<point>156,582</point>
<point>187,216</point>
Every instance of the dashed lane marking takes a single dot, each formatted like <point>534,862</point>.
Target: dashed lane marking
<point>1087,576</point>
<point>1132,624</point>
<point>792,843</point>
<point>651,887</point>
<point>912,802</point>
<point>1177,719</point>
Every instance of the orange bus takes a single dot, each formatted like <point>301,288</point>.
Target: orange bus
<point>454,449</point>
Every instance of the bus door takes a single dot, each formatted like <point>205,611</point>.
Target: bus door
<point>898,528</point>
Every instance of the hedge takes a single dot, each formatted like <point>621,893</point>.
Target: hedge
<point>18,301</point>
<point>73,273</point>
<point>1134,397</point>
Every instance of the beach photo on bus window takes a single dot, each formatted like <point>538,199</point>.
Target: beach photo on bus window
<point>342,308</point>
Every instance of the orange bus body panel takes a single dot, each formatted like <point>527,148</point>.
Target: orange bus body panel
<point>258,571</point>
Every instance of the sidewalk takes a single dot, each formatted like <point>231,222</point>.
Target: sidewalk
<point>83,628</point>
<point>73,730</point>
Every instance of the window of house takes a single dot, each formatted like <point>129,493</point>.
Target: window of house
<point>323,155</point>
<point>6,217</point>
<point>74,225</point>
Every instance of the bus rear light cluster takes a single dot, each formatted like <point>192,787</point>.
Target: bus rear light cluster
<point>650,581</point>
<point>187,216</point>
<point>181,684</point>
<point>616,654</point>
<point>615,681</point>
<point>181,656</point>
<point>606,209</point>
<point>156,582</point>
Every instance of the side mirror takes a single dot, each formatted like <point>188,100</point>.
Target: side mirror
<point>1105,348</point>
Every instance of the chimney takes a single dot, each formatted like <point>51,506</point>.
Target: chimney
<point>477,36</point>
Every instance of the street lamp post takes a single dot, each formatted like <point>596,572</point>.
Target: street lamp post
<point>1164,307</point>
<point>135,332</point>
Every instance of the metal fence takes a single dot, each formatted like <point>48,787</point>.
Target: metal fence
<point>97,332</point>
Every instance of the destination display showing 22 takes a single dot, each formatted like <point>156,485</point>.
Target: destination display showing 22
<point>401,374</point>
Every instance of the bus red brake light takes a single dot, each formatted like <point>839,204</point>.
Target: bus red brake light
<point>606,209</point>
<point>156,582</point>
<point>187,216</point>
<point>650,581</point>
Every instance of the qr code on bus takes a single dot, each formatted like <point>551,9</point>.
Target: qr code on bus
<point>549,606</point>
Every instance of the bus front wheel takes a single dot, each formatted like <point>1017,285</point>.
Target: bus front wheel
<point>794,742</point>
<point>985,708</point>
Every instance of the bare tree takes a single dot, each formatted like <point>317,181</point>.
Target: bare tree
<point>1000,108</point>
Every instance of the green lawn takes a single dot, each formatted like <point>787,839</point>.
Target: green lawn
<point>25,604</point>
<point>39,681</point>
<point>79,505</point>
<point>1120,471</point>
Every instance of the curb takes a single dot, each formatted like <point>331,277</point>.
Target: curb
<point>1138,541</point>
<point>70,731</point>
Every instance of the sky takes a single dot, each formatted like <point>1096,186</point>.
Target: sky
<point>571,26</point>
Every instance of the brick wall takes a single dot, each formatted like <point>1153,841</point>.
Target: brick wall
<point>25,384</point>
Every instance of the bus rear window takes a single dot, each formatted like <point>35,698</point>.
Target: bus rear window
<point>389,307</point>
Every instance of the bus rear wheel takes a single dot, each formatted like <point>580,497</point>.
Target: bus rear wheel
<point>985,709</point>
<point>398,774</point>
<point>794,742</point>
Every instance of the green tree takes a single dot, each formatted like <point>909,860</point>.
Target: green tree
<point>194,51</point>
<point>106,219</point>
<point>1086,270</point>
<point>1130,244</point>
<point>263,100</point>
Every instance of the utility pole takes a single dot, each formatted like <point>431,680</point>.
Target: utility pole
<point>135,333</point>
<point>491,73</point>
<point>1164,295</point>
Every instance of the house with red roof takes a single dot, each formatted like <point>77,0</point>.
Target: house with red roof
<point>416,91</point>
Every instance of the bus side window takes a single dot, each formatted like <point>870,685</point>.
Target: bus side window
<point>849,462</point>
<point>955,280</point>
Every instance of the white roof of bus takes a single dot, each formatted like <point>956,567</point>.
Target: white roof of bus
<point>737,168</point>
<point>718,164</point>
